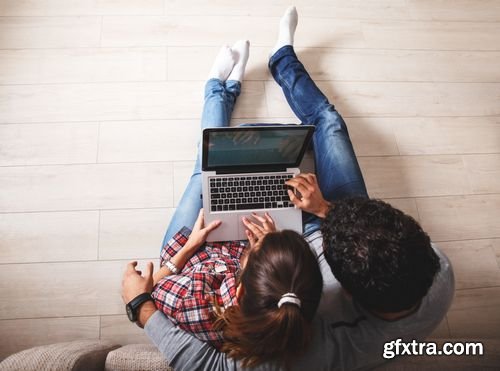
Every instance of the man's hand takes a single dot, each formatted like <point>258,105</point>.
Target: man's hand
<point>200,232</point>
<point>256,232</point>
<point>134,284</point>
<point>311,200</point>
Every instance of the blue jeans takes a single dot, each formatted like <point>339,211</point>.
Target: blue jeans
<point>220,98</point>
<point>337,169</point>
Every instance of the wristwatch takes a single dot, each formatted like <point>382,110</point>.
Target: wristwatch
<point>134,304</point>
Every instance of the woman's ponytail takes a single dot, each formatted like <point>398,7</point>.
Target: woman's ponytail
<point>282,288</point>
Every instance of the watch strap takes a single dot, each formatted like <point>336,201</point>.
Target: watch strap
<point>134,304</point>
<point>139,299</point>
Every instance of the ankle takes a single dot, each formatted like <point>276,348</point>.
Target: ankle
<point>241,52</point>
<point>288,25</point>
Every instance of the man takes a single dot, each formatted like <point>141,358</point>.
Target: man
<point>382,278</point>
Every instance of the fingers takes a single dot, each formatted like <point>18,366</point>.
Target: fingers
<point>305,178</point>
<point>131,267</point>
<point>215,224</point>
<point>311,178</point>
<point>259,218</point>
<point>256,230</point>
<point>200,221</point>
<point>266,220</point>
<point>295,200</point>
<point>251,237</point>
<point>300,185</point>
<point>304,183</point>
<point>269,219</point>
<point>148,272</point>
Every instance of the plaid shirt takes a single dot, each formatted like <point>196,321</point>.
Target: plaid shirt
<point>209,276</point>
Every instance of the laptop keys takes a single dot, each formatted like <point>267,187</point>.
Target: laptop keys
<point>250,206</point>
<point>249,192</point>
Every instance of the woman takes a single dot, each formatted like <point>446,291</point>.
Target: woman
<point>255,302</point>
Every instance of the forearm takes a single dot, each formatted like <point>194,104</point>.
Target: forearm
<point>145,312</point>
<point>179,260</point>
<point>182,350</point>
<point>323,209</point>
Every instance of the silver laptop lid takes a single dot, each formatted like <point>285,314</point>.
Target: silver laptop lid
<point>254,148</point>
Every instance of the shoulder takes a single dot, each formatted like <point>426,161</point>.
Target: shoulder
<point>315,242</point>
<point>358,337</point>
<point>446,269</point>
<point>182,350</point>
<point>440,295</point>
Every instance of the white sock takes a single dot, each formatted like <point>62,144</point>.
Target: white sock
<point>224,63</point>
<point>288,25</point>
<point>241,51</point>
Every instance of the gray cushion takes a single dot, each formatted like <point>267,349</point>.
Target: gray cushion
<point>80,355</point>
<point>136,357</point>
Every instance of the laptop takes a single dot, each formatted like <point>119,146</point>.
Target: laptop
<point>244,170</point>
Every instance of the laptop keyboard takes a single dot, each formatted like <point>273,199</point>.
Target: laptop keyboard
<point>249,192</point>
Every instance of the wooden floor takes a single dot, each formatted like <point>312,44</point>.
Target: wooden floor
<point>99,111</point>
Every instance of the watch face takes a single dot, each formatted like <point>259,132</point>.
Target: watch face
<point>130,313</point>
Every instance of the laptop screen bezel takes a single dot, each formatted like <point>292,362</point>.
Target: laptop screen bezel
<point>261,167</point>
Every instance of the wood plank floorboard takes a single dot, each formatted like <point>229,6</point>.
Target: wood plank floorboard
<point>100,106</point>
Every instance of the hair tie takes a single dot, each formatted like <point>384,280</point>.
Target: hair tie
<point>289,297</point>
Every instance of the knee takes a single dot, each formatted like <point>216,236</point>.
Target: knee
<point>330,120</point>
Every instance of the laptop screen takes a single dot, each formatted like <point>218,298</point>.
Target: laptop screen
<point>255,147</point>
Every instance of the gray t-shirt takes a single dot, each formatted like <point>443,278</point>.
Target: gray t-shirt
<point>346,337</point>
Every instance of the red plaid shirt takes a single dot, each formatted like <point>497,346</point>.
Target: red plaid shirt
<point>210,275</point>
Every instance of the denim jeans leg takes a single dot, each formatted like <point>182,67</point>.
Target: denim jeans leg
<point>337,168</point>
<point>220,98</point>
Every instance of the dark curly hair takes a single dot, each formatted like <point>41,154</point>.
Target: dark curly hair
<point>380,255</point>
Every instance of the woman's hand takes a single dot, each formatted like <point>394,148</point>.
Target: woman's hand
<point>257,231</point>
<point>200,232</point>
<point>197,238</point>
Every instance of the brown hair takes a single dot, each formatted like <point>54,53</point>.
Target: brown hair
<point>257,330</point>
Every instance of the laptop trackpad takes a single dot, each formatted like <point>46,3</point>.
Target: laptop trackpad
<point>232,227</point>
<point>227,230</point>
<point>283,219</point>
